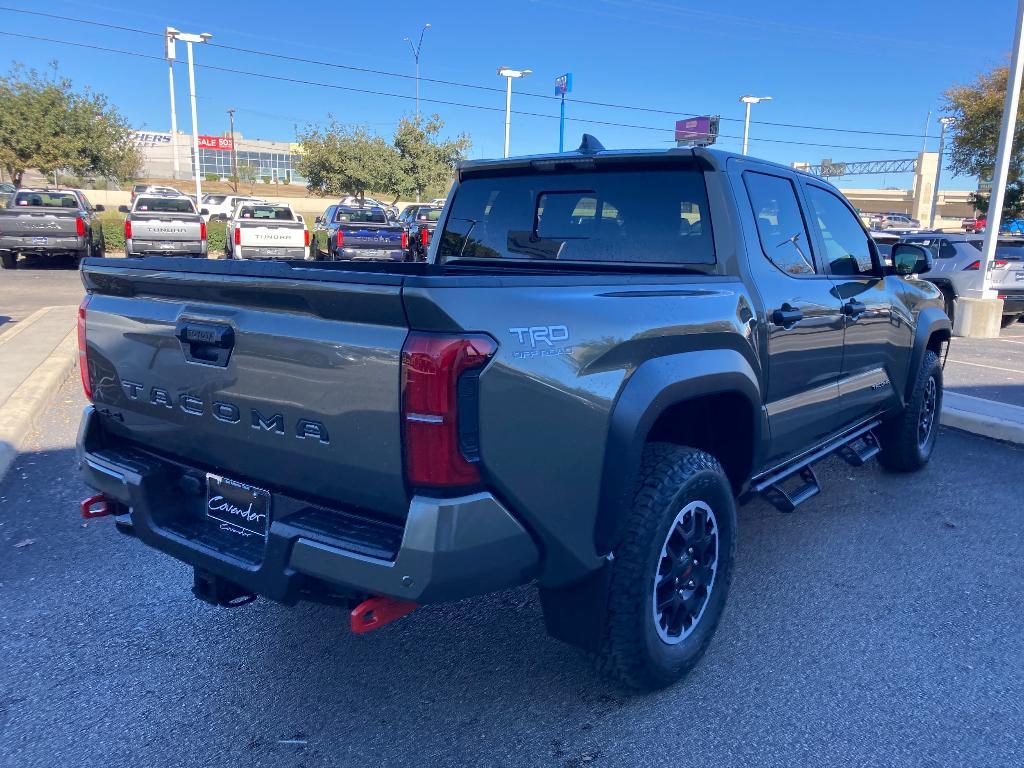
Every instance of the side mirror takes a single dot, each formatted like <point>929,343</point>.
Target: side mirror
<point>99,208</point>
<point>204,211</point>
<point>124,209</point>
<point>910,259</point>
<point>298,217</point>
<point>318,220</point>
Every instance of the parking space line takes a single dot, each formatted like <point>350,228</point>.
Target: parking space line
<point>982,365</point>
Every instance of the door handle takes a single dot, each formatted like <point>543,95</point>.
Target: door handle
<point>786,316</point>
<point>205,343</point>
<point>854,309</point>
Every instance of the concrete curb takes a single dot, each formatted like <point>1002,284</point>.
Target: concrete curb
<point>983,417</point>
<point>30,399</point>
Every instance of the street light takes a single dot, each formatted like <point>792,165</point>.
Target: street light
<point>509,75</point>
<point>416,55</point>
<point>945,122</point>
<point>169,38</point>
<point>748,100</point>
<point>188,39</point>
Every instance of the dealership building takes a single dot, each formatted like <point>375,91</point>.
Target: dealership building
<point>270,161</point>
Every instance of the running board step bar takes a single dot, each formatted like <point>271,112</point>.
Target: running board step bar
<point>855,447</point>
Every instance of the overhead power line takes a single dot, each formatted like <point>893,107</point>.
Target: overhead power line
<point>464,105</point>
<point>473,86</point>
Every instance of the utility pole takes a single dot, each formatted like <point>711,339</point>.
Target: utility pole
<point>234,152</point>
<point>927,125</point>
<point>170,37</point>
<point>563,85</point>
<point>945,122</point>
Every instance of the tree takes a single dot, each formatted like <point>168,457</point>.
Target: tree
<point>347,160</point>
<point>45,124</point>
<point>978,110</point>
<point>248,171</point>
<point>426,162</point>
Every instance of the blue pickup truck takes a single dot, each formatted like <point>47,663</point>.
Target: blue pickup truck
<point>347,232</point>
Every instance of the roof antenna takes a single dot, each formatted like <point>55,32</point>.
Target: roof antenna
<point>590,144</point>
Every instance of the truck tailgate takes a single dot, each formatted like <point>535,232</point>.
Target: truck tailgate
<point>38,222</point>
<point>165,227</point>
<point>271,239</point>
<point>291,382</point>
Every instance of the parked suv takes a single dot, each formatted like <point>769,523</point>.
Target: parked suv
<point>602,353</point>
<point>957,269</point>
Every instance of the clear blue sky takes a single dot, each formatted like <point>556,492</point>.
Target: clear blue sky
<point>868,65</point>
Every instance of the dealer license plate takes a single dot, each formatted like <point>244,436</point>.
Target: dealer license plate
<point>237,507</point>
<point>40,240</point>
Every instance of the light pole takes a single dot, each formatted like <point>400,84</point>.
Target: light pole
<point>509,75</point>
<point>188,39</point>
<point>945,122</point>
<point>234,152</point>
<point>416,56</point>
<point>748,100</point>
<point>1005,147</point>
<point>169,40</point>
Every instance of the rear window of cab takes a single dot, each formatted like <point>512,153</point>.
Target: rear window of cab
<point>164,205</point>
<point>644,216</point>
<point>46,200</point>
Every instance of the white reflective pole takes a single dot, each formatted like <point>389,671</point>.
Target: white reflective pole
<point>174,120</point>
<point>195,125</point>
<point>508,111</point>
<point>1001,171</point>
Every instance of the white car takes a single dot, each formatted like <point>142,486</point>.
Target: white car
<point>261,230</point>
<point>222,206</point>
<point>351,201</point>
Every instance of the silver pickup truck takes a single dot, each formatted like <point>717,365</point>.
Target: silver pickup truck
<point>164,225</point>
<point>53,223</point>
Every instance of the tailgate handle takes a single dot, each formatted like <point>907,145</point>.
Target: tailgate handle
<point>205,343</point>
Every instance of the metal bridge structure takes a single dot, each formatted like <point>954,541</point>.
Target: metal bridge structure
<point>828,169</point>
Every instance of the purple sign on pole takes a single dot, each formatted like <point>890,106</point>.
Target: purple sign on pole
<point>693,129</point>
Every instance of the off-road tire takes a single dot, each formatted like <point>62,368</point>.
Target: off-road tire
<point>1009,320</point>
<point>9,260</point>
<point>902,447</point>
<point>671,477</point>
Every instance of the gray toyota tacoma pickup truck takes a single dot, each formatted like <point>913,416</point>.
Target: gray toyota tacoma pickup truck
<point>603,353</point>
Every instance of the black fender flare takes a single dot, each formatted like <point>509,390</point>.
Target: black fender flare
<point>930,321</point>
<point>655,386</point>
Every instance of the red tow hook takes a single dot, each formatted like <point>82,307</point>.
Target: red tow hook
<point>377,611</point>
<point>99,505</point>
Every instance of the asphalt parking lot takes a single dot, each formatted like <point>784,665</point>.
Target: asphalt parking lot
<point>24,290</point>
<point>879,625</point>
<point>989,368</point>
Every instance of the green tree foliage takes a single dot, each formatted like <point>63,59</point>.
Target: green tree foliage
<point>349,160</point>
<point>46,125</point>
<point>346,160</point>
<point>426,161</point>
<point>978,109</point>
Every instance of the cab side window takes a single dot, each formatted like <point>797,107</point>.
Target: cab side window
<point>847,249</point>
<point>780,224</point>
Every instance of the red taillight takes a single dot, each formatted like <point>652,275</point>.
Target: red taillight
<point>83,352</point>
<point>424,237</point>
<point>405,239</point>
<point>80,227</point>
<point>1000,263</point>
<point>127,230</point>
<point>973,265</point>
<point>439,409</point>
<point>340,239</point>
<point>238,235</point>
<point>202,230</point>
<point>305,236</point>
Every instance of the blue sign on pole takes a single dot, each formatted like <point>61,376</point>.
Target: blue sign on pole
<point>563,85</point>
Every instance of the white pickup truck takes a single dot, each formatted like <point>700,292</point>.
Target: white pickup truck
<point>266,231</point>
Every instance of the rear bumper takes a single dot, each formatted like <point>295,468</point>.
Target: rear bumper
<point>270,252</point>
<point>52,244</point>
<point>1013,300</point>
<point>389,254</point>
<point>447,548</point>
<point>137,247</point>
